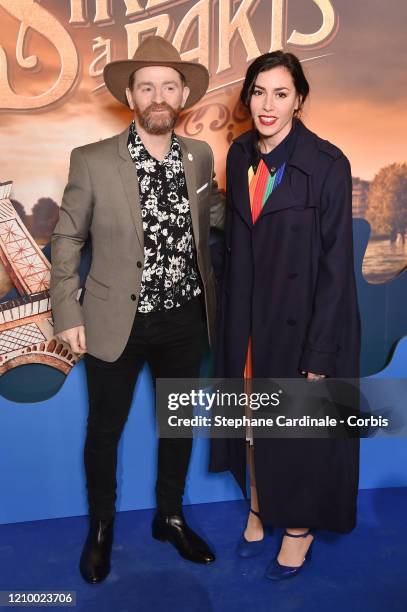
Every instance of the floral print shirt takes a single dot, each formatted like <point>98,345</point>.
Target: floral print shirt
<point>170,274</point>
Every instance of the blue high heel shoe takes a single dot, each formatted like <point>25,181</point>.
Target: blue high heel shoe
<point>276,571</point>
<point>246,548</point>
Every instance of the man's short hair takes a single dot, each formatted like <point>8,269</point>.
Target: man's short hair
<point>132,78</point>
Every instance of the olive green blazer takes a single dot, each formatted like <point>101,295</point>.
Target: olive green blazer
<point>101,199</point>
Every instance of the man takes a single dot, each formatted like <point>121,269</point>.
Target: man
<point>147,198</point>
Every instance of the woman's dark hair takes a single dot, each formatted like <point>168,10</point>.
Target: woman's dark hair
<point>272,60</point>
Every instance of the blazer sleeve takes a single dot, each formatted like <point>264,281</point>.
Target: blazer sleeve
<point>68,238</point>
<point>335,271</point>
<point>216,221</point>
<point>217,200</point>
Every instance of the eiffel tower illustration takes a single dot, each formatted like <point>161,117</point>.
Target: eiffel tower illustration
<point>26,325</point>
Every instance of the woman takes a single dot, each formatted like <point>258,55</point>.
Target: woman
<point>288,308</point>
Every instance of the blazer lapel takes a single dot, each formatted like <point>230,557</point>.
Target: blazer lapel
<point>128,175</point>
<point>190,178</point>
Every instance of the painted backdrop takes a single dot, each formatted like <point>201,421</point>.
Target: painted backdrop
<point>52,98</point>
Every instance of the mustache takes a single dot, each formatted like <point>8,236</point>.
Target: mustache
<point>157,125</point>
<point>157,107</point>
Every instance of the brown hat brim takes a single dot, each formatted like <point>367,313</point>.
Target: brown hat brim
<point>117,75</point>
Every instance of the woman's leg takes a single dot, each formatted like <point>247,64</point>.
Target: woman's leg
<point>254,529</point>
<point>293,550</point>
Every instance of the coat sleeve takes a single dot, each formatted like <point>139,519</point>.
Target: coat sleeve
<point>67,240</point>
<point>335,271</point>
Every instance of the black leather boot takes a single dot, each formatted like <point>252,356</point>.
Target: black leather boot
<point>173,528</point>
<point>95,559</point>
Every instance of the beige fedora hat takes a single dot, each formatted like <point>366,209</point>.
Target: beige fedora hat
<point>156,51</point>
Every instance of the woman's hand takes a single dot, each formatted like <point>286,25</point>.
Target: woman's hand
<point>312,376</point>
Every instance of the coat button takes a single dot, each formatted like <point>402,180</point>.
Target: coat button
<point>229,250</point>
<point>291,322</point>
<point>139,264</point>
<point>293,275</point>
<point>133,297</point>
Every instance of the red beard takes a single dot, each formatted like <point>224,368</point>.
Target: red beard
<point>154,123</point>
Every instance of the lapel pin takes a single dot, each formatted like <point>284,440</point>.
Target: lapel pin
<point>190,156</point>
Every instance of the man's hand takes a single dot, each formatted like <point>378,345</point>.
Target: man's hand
<point>75,337</point>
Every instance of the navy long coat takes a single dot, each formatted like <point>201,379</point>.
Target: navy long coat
<point>288,281</point>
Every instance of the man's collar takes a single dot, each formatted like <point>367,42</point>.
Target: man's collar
<point>134,139</point>
<point>126,135</point>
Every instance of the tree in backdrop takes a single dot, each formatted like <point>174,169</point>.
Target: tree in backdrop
<point>387,201</point>
<point>44,218</point>
<point>20,210</point>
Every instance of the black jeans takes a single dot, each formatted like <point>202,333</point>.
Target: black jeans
<point>172,343</point>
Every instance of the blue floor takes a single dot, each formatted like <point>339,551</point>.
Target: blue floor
<point>364,571</point>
